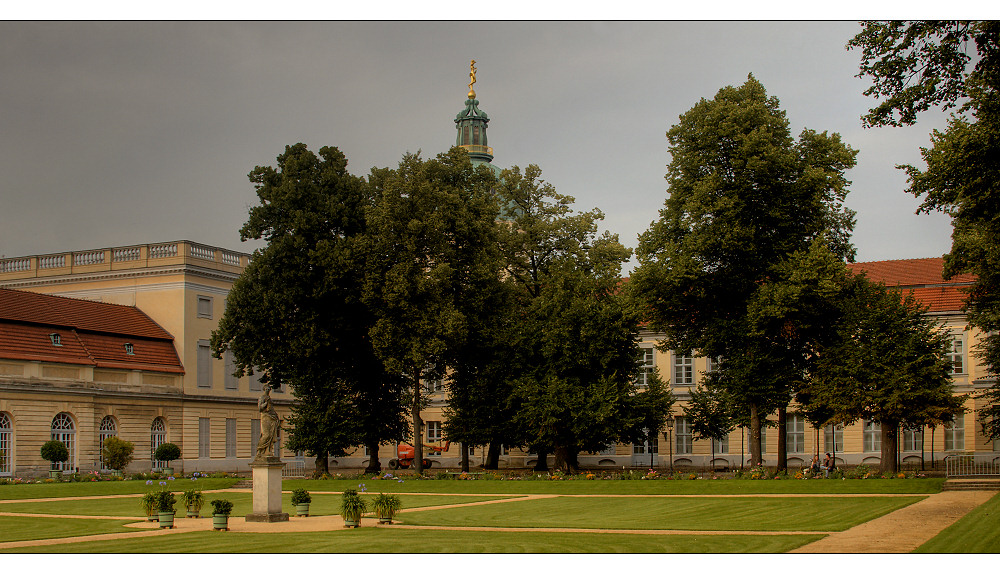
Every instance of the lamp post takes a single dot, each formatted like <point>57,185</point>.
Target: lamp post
<point>668,436</point>
<point>649,445</point>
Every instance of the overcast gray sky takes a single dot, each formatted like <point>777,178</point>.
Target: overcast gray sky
<point>121,133</point>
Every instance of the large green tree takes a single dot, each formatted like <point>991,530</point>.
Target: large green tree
<point>744,197</point>
<point>577,354</point>
<point>295,314</point>
<point>431,241</point>
<point>888,364</point>
<point>915,66</point>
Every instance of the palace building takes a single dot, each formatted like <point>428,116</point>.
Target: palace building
<point>115,342</point>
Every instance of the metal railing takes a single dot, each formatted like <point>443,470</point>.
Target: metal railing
<point>294,469</point>
<point>972,464</point>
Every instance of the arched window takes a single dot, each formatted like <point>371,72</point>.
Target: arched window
<point>64,431</point>
<point>6,445</point>
<point>157,436</point>
<point>108,428</point>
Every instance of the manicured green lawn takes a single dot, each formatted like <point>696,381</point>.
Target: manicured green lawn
<point>62,489</point>
<point>774,514</point>
<point>389,540</point>
<point>976,532</point>
<point>322,504</point>
<point>22,528</point>
<point>820,486</point>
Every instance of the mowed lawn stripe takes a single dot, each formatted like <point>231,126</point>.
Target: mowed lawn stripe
<point>821,514</point>
<point>17,528</point>
<point>322,504</point>
<point>390,540</point>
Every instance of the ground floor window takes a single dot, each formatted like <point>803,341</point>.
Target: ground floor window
<point>833,438</point>
<point>433,435</point>
<point>64,431</point>
<point>954,434</point>
<point>255,436</point>
<point>108,428</point>
<point>795,434</point>
<point>204,437</point>
<point>872,436</point>
<point>230,438</point>
<point>682,431</point>
<point>157,436</point>
<point>722,446</point>
<point>648,446</point>
<point>6,445</point>
<point>913,439</point>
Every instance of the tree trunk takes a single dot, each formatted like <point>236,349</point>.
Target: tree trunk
<point>754,435</point>
<point>322,465</point>
<point>418,437</point>
<point>374,465</point>
<point>890,432</point>
<point>782,437</point>
<point>492,456</point>
<point>465,458</point>
<point>542,464</point>
<point>572,460</point>
<point>566,459</point>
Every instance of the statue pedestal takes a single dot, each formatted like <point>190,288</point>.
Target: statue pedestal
<point>267,491</point>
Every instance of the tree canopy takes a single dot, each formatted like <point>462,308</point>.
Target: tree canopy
<point>951,64</point>
<point>743,198</point>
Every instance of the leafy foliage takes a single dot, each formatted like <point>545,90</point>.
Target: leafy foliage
<point>167,452</point>
<point>917,65</point>
<point>117,453</point>
<point>222,506</point>
<point>301,496</point>
<point>54,451</point>
<point>745,200</point>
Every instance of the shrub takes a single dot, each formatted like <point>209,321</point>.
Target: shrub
<point>386,505</point>
<point>352,506</point>
<point>193,499</point>
<point>222,506</point>
<point>167,452</point>
<point>55,451</point>
<point>148,503</point>
<point>117,453</point>
<point>165,501</point>
<point>301,496</point>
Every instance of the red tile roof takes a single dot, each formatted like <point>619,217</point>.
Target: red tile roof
<point>90,333</point>
<point>78,314</point>
<point>923,278</point>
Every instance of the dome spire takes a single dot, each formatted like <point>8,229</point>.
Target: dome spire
<point>471,124</point>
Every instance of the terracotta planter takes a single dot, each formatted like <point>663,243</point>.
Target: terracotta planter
<point>166,519</point>
<point>220,522</point>
<point>302,509</point>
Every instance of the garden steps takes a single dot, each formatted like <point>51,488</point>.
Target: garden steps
<point>246,483</point>
<point>971,484</point>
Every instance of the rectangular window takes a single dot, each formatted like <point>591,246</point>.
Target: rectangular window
<point>204,365</point>
<point>872,436</point>
<point>763,439</point>
<point>204,307</point>
<point>433,385</point>
<point>433,431</point>
<point>683,369</point>
<point>722,446</point>
<point>230,438</point>
<point>682,431</point>
<point>957,354</point>
<point>713,364</point>
<point>254,436</point>
<point>646,366</point>
<point>204,438</point>
<point>648,446</point>
<point>255,382</point>
<point>232,381</point>
<point>913,439</point>
<point>833,438</point>
<point>795,434</point>
<point>954,434</point>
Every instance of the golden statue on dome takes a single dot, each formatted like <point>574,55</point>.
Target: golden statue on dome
<point>472,79</point>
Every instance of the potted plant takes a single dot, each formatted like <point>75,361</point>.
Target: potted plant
<point>220,513</point>
<point>148,503</point>
<point>352,506</point>
<point>55,452</point>
<point>301,500</point>
<point>193,500</point>
<point>386,506</point>
<point>117,454</point>
<point>165,508</point>
<point>167,452</point>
